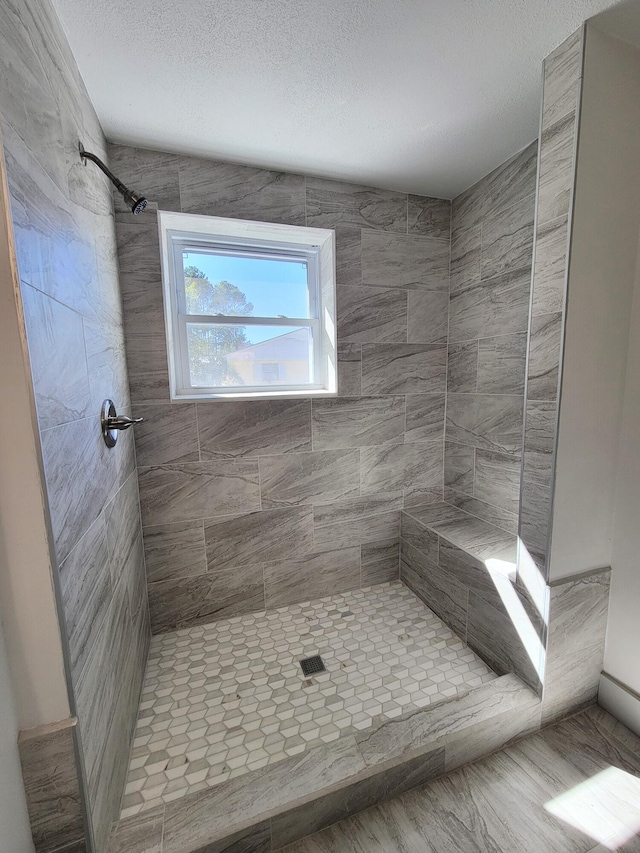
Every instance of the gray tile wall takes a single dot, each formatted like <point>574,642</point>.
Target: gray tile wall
<point>247,505</point>
<point>578,611</point>
<point>63,222</point>
<point>491,255</point>
<point>53,789</point>
<point>560,100</point>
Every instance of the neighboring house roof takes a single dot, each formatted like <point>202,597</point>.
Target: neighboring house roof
<point>288,347</point>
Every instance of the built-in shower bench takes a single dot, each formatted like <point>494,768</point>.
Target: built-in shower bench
<point>464,569</point>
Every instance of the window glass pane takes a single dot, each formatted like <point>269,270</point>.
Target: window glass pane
<point>245,286</point>
<point>227,356</point>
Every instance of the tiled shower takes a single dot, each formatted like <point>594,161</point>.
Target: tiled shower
<point>197,569</point>
<point>272,528</point>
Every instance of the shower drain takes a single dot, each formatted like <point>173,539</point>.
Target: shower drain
<point>310,666</point>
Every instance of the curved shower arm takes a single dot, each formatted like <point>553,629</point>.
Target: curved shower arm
<point>136,202</point>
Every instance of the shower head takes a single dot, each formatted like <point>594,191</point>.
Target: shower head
<point>136,202</point>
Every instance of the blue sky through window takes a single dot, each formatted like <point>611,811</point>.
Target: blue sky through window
<point>276,288</point>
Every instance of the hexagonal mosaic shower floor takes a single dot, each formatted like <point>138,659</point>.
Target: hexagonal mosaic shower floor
<point>222,699</point>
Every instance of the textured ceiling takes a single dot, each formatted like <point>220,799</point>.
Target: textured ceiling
<point>413,95</point>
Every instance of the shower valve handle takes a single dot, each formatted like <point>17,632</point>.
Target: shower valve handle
<point>122,422</point>
<point>111,422</point>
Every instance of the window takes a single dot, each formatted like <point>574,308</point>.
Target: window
<point>249,308</point>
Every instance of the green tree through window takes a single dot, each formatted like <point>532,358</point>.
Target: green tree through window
<point>208,345</point>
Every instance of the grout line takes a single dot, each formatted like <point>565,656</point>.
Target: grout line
<point>198,433</point>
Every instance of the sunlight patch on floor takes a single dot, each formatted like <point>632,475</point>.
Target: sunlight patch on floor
<point>605,807</point>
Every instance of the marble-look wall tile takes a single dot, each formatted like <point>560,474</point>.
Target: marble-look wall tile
<point>501,364</point>
<point>497,479</point>
<point>265,536</point>
<point>168,434</point>
<point>401,466</point>
<point>439,589</point>
<point>372,314</point>
<point>86,588</point>
<point>63,222</point>
<point>52,786</point>
<point>462,367</point>
<point>505,520</point>
<point>308,478</point>
<point>497,306</point>
<point>174,550</point>
<point>562,72</point>
<point>488,421</point>
<point>540,430</point>
<point>348,256</point>
<point>53,251</point>
<point>184,492</point>
<point>403,368</point>
<point>544,356</point>
<point>380,562</point>
<point>147,354</point>
<point>255,428</point>
<point>343,422</point>
<point>493,632</point>
<point>210,188</point>
<point>405,262</point>
<point>514,180</point>
<point>555,181</point>
<point>75,502</point>
<point>562,83</point>
<point>428,317</point>
<point>309,577</point>
<point>459,466</point>
<point>392,252</point>
<point>349,369</point>
<point>535,513</point>
<point>184,601</point>
<point>97,686</point>
<point>358,520</point>
<point>335,203</point>
<point>124,537</point>
<point>106,364</point>
<point>424,417</point>
<point>507,239</point>
<point>578,612</point>
<point>466,255</point>
<point>138,242</point>
<point>58,359</point>
<point>429,217</point>
<point>491,257</point>
<point>152,387</point>
<point>550,266</point>
<point>417,535</point>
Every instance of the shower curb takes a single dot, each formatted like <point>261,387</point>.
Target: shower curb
<point>267,809</point>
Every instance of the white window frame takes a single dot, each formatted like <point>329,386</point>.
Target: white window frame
<point>313,246</point>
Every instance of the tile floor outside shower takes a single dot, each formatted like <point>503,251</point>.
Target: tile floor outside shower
<point>223,699</point>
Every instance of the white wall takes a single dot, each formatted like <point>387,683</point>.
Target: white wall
<point>15,835</point>
<point>622,655</point>
<point>27,600</point>
<point>602,262</point>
